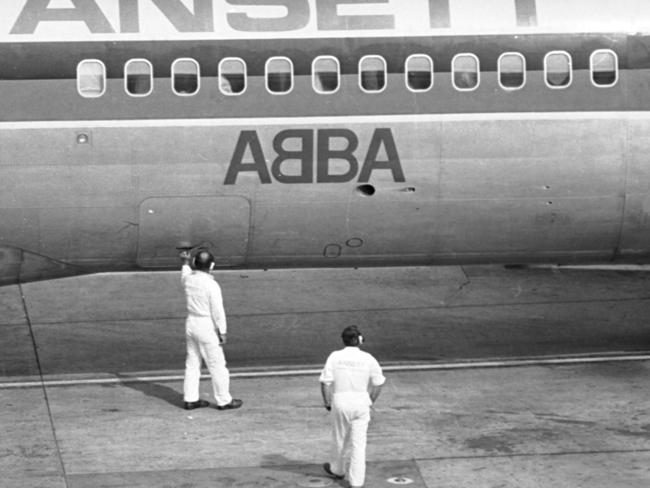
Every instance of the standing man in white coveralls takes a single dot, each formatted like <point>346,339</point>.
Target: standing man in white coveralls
<point>350,383</point>
<point>205,333</point>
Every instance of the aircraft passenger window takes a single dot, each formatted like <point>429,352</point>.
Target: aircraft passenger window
<point>557,69</point>
<point>465,69</point>
<point>512,71</point>
<point>604,67</point>
<point>372,73</point>
<point>91,78</point>
<point>419,72</point>
<point>185,77</point>
<point>279,75</point>
<point>138,77</point>
<point>326,74</point>
<point>232,76</point>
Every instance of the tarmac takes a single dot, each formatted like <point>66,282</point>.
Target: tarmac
<point>495,378</point>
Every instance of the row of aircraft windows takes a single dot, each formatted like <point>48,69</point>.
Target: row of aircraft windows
<point>326,74</point>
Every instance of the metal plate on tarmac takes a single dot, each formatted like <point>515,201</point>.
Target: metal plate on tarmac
<point>400,480</point>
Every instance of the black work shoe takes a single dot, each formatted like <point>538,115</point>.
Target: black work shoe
<point>230,406</point>
<point>328,469</point>
<point>196,404</point>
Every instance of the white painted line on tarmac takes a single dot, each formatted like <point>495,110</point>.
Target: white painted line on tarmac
<point>509,363</point>
<point>504,363</point>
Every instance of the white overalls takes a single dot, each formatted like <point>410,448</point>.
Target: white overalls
<point>205,316</point>
<point>350,371</point>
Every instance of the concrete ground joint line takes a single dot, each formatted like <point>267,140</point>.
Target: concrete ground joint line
<point>41,384</point>
<point>306,370</point>
<point>414,460</point>
<point>419,471</point>
<point>361,310</point>
<point>455,292</point>
<point>534,454</point>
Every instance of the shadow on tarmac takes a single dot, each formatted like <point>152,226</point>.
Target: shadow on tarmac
<point>297,468</point>
<point>155,390</point>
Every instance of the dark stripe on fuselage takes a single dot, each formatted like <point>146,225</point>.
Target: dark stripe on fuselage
<point>48,90</point>
<point>59,60</point>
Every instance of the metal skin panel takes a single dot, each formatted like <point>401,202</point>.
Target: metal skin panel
<point>531,188</point>
<point>534,157</point>
<point>80,235</point>
<point>635,229</point>
<point>220,224</point>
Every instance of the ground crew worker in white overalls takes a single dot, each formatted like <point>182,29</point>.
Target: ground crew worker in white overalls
<point>350,383</point>
<point>205,333</point>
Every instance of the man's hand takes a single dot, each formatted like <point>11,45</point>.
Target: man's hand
<point>222,338</point>
<point>326,392</point>
<point>374,392</point>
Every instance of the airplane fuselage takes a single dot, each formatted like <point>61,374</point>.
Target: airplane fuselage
<point>322,133</point>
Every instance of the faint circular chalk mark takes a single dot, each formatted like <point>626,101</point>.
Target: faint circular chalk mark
<point>354,242</point>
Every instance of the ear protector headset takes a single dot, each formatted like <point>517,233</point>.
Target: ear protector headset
<point>359,336</point>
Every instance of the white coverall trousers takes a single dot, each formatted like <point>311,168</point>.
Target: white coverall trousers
<point>202,342</point>
<point>348,455</point>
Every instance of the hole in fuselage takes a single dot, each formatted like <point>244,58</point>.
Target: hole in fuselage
<point>366,190</point>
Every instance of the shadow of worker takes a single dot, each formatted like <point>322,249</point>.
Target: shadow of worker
<point>308,475</point>
<point>152,389</point>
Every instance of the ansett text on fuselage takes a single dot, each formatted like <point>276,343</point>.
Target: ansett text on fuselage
<point>81,19</point>
<point>115,20</point>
